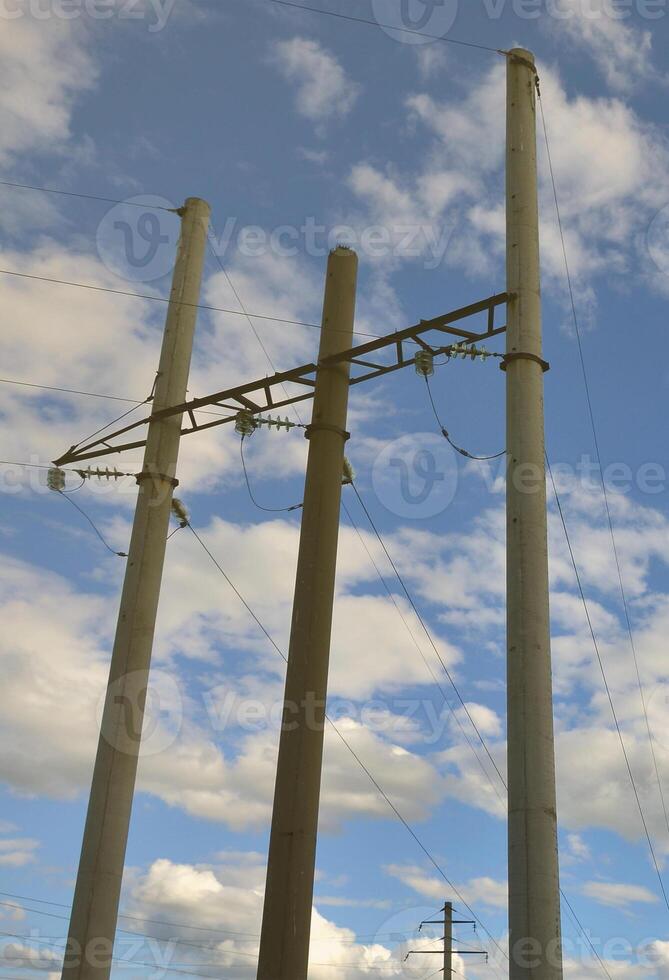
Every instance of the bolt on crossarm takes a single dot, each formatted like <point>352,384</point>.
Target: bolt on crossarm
<point>94,916</point>
<point>534,899</point>
<point>286,925</point>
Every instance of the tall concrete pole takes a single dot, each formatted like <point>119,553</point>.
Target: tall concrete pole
<point>448,941</point>
<point>98,888</point>
<point>284,942</point>
<point>534,899</point>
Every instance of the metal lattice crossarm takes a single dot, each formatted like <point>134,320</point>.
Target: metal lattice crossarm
<point>262,395</point>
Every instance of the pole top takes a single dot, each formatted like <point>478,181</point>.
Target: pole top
<point>343,250</point>
<point>521,54</point>
<point>196,202</point>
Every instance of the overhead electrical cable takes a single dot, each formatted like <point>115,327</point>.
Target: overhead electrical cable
<point>380,24</point>
<point>606,685</point>
<point>350,748</point>
<point>605,495</point>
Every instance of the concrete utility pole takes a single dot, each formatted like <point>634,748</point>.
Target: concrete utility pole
<point>534,898</point>
<point>96,898</point>
<point>448,941</point>
<point>286,926</point>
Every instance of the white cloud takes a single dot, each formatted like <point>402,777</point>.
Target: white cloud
<point>617,895</point>
<point>620,49</point>
<point>44,69</point>
<point>17,852</point>
<point>227,897</point>
<point>480,891</point>
<point>324,90</point>
<point>608,165</point>
<point>577,849</point>
<point>57,639</point>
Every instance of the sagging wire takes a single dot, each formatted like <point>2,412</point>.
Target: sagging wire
<point>246,424</point>
<point>269,510</point>
<point>56,482</point>
<point>425,367</point>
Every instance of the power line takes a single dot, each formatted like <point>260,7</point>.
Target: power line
<point>606,684</point>
<point>605,495</point>
<point>425,629</point>
<point>86,197</point>
<point>67,391</point>
<point>392,27</point>
<point>163,299</point>
<point>372,779</point>
<point>446,435</point>
<point>94,394</point>
<point>176,941</point>
<point>269,510</point>
<point>257,620</point>
<point>424,658</point>
<point>246,936</point>
<point>115,959</point>
<point>243,309</point>
<point>297,415</point>
<point>482,740</point>
<point>119,554</point>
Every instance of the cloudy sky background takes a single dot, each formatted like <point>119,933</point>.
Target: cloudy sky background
<point>296,125</point>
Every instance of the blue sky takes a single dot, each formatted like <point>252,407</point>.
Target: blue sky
<point>302,130</point>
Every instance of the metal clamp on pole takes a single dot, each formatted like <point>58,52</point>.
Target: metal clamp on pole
<point>324,427</point>
<point>147,474</point>
<point>524,356</point>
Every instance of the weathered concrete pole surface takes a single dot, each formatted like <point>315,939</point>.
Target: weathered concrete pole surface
<point>98,888</point>
<point>448,941</point>
<point>284,943</point>
<point>534,898</point>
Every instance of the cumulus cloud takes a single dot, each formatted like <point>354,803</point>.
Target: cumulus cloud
<point>44,69</point>
<point>606,160</point>
<point>17,851</point>
<point>226,896</point>
<point>324,90</point>
<point>621,50</point>
<point>618,895</point>
<point>484,891</point>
